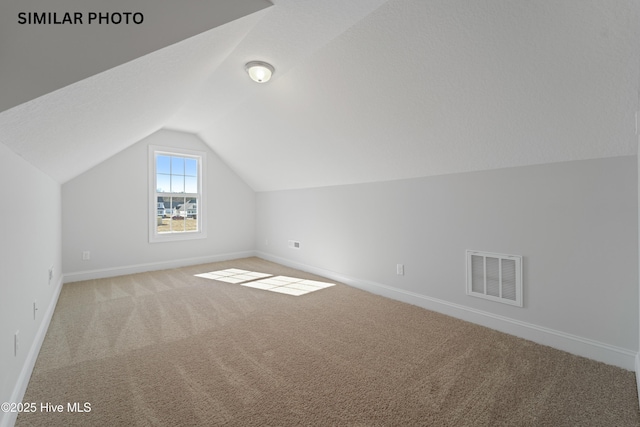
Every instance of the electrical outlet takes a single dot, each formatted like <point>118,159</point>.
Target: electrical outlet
<point>294,244</point>
<point>16,343</point>
<point>86,255</point>
<point>50,274</point>
<point>400,269</point>
<point>35,309</point>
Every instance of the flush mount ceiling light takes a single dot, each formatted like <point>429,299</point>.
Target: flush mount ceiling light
<point>259,71</point>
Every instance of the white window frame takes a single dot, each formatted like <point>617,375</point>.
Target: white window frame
<point>201,233</point>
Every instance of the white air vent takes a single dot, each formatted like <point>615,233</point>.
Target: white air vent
<point>496,277</point>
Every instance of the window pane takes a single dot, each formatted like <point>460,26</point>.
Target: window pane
<point>190,184</point>
<point>168,210</point>
<point>177,184</point>
<point>191,217</point>
<point>162,223</point>
<point>177,166</point>
<point>176,224</point>
<point>163,183</point>
<point>163,164</point>
<point>191,167</point>
<point>178,218</point>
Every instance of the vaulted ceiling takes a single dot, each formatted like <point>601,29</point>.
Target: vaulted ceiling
<point>364,90</point>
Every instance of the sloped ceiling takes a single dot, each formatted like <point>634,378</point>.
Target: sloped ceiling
<point>363,91</point>
<point>70,130</point>
<point>38,59</point>
<point>421,88</point>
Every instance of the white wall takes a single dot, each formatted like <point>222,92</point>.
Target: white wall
<point>105,211</point>
<point>637,365</point>
<point>30,243</point>
<point>575,223</point>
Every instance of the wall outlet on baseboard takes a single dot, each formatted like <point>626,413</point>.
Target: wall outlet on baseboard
<point>50,274</point>
<point>400,269</point>
<point>86,255</point>
<point>16,343</point>
<point>35,309</point>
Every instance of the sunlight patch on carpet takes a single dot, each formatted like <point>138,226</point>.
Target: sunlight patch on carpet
<point>288,285</point>
<point>233,275</point>
<point>253,279</point>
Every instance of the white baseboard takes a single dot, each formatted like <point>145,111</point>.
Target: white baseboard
<point>570,343</point>
<point>638,375</point>
<point>585,347</point>
<point>8,419</point>
<point>141,268</point>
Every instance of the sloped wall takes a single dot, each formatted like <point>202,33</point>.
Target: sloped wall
<point>30,244</point>
<point>575,224</point>
<point>105,211</point>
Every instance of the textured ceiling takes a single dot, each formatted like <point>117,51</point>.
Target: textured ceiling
<point>363,91</point>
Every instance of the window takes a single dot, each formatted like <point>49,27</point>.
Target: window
<point>176,196</point>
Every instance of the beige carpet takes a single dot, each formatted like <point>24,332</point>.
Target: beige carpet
<point>166,348</point>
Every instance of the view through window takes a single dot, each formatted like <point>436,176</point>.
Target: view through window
<point>177,188</point>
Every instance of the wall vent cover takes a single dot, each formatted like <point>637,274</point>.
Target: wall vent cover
<point>294,244</point>
<point>496,277</point>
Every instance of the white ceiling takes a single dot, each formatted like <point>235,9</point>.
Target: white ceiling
<point>363,91</point>
<point>38,59</point>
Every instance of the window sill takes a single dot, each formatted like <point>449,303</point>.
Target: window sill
<point>177,236</point>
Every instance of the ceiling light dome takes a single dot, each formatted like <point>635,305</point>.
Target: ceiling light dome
<point>259,71</point>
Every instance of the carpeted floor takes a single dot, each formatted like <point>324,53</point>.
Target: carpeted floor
<point>167,348</point>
